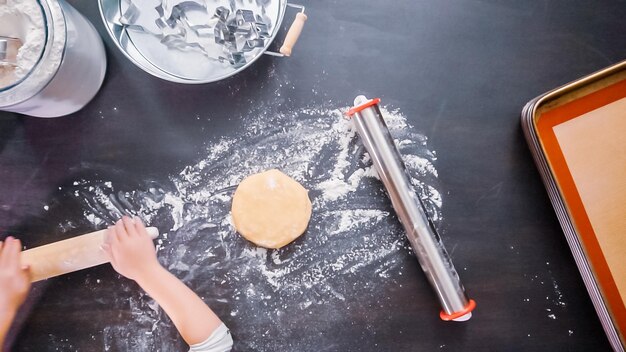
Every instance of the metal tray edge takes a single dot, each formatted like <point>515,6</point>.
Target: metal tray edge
<point>528,126</point>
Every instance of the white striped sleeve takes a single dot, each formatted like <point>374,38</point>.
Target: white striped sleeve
<point>219,341</point>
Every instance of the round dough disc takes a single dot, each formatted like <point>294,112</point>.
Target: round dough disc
<point>270,209</point>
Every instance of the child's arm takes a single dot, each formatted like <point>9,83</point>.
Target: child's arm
<point>132,254</point>
<point>14,284</point>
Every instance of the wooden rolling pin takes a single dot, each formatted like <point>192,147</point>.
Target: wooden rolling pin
<point>69,255</point>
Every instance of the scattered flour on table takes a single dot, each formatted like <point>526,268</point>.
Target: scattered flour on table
<point>353,245</point>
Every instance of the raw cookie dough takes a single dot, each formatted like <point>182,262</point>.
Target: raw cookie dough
<point>270,209</point>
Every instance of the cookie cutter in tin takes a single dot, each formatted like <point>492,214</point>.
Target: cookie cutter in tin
<point>148,49</point>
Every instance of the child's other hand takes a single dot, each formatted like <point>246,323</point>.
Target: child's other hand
<point>14,279</point>
<point>130,249</point>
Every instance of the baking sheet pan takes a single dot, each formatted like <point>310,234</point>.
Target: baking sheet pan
<point>577,134</point>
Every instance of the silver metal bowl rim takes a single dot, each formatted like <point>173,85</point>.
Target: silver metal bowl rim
<point>169,77</point>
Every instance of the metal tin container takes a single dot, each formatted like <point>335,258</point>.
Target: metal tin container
<point>601,88</point>
<point>153,57</point>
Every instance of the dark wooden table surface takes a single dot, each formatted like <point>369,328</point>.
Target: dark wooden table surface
<point>460,71</point>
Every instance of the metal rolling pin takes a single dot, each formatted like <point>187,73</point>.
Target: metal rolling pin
<point>426,243</point>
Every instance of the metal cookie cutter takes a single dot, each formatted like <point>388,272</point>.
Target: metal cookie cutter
<point>8,50</point>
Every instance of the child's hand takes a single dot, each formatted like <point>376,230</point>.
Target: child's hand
<point>14,279</point>
<point>130,249</point>
<point>132,254</point>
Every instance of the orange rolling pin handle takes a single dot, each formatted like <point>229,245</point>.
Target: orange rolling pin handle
<point>456,315</point>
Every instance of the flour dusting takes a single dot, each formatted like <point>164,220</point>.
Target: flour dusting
<point>353,246</point>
